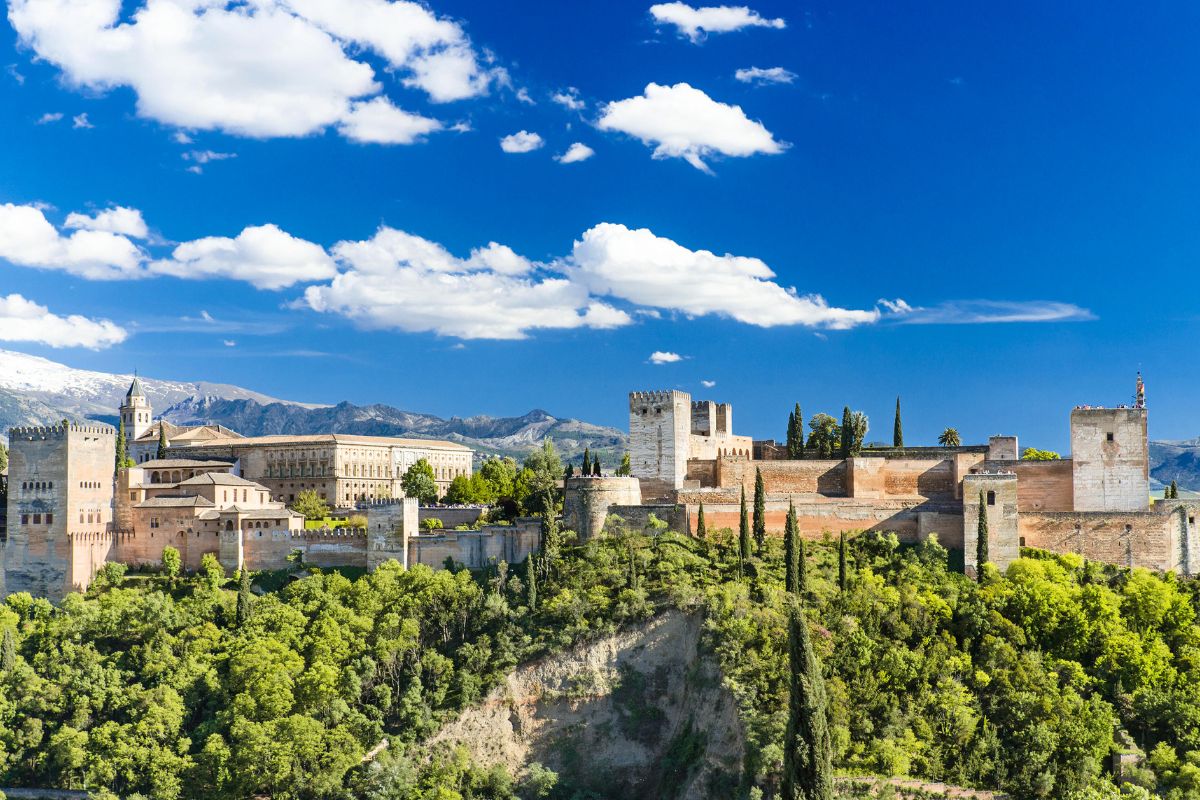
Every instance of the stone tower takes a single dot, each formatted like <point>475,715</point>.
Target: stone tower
<point>59,507</point>
<point>1110,457</point>
<point>135,411</point>
<point>998,491</point>
<point>660,426</point>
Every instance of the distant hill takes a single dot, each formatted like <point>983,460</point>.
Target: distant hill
<point>1177,461</point>
<point>37,391</point>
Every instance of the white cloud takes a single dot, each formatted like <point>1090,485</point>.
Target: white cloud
<point>81,121</point>
<point>28,239</point>
<point>708,384</point>
<point>205,156</point>
<point>696,23</point>
<point>229,342</point>
<point>576,152</point>
<point>977,312</point>
<point>569,99</point>
<point>118,219</point>
<point>262,255</point>
<point>648,270</point>
<point>683,122</point>
<point>761,77</point>
<point>660,357</point>
<point>379,121</point>
<point>400,281</point>
<point>181,137</point>
<point>23,320</point>
<point>49,116</point>
<point>265,68</point>
<point>523,96</point>
<point>521,142</point>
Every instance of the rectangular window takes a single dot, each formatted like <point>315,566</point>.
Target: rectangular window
<point>1110,436</point>
<point>24,519</point>
<point>991,498</point>
<point>154,522</point>
<point>49,519</point>
<point>37,519</point>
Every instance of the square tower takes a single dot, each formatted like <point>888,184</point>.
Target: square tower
<point>60,502</point>
<point>660,426</point>
<point>1110,459</point>
<point>997,491</point>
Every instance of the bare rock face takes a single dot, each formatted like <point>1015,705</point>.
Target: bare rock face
<point>639,714</point>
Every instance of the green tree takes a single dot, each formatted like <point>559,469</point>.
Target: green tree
<point>791,551</point>
<point>310,504</point>
<point>795,442</point>
<point>596,466</point>
<point>1033,454</point>
<point>859,425</point>
<point>801,564</point>
<point>1174,490</point>
<point>842,561</point>
<point>897,428</point>
<point>701,528</point>
<point>760,511</point>
<point>626,468</point>
<point>949,438</point>
<point>537,483</point>
<point>8,652</point>
<point>419,482</point>
<point>463,491</point>
<point>743,535</point>
<point>3,457</point>
<point>981,544</point>
<point>808,745</point>
<point>244,598</point>
<point>121,454</point>
<point>214,573</point>
<point>500,475</point>
<point>162,439</point>
<point>846,439</point>
<point>587,462</point>
<point>431,524</point>
<point>823,439</point>
<point>531,582</point>
<point>171,562</point>
<point>569,472</point>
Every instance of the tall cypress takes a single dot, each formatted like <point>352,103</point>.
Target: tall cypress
<point>701,529</point>
<point>570,472</point>
<point>596,466</point>
<point>981,546</point>
<point>801,566</point>
<point>243,597</point>
<point>8,652</point>
<point>121,455</point>
<point>1174,490</point>
<point>790,441</point>
<point>799,443</point>
<point>791,553</point>
<point>162,439</point>
<point>760,511</point>
<point>897,429</point>
<point>847,433</point>
<point>743,534</point>
<point>587,462</point>
<point>808,746</point>
<point>531,582</point>
<point>842,561</point>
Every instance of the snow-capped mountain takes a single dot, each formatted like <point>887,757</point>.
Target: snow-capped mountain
<point>37,391</point>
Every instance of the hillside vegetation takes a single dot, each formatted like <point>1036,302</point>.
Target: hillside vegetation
<point>173,688</point>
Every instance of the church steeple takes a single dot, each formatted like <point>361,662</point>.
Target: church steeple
<point>136,413</point>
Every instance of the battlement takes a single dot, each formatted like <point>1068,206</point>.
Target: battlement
<point>666,396</point>
<point>33,433</point>
<point>320,534</point>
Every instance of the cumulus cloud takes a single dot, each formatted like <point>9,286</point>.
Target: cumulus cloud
<point>708,384</point>
<point>81,121</point>
<point>118,219</point>
<point>569,99</point>
<point>262,255</point>
<point>684,122</point>
<point>28,239</point>
<point>661,357</point>
<point>521,142</point>
<point>648,270</point>
<point>23,320</point>
<point>48,117</point>
<point>400,281</point>
<point>762,77</point>
<point>977,312</point>
<point>696,23</point>
<point>264,69</point>
<point>379,121</point>
<point>576,152</point>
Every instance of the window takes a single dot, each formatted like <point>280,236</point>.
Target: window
<point>37,519</point>
<point>1022,541</point>
<point>24,519</point>
<point>1110,436</point>
<point>49,519</point>
<point>154,522</point>
<point>991,498</point>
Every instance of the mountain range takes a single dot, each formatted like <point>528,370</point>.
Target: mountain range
<point>37,391</point>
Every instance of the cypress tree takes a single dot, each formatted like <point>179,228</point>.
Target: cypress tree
<point>121,447</point>
<point>790,442</point>
<point>244,598</point>
<point>801,566</point>
<point>701,529</point>
<point>162,439</point>
<point>842,561</point>
<point>791,553</point>
<point>799,443</point>
<point>531,582</point>
<point>808,746</point>
<point>8,652</point>
<point>587,462</point>
<point>760,511</point>
<point>847,433</point>
<point>897,429</point>
<point>1174,490</point>
<point>981,546</point>
<point>570,472</point>
<point>596,466</point>
<point>1166,493</point>
<point>743,534</point>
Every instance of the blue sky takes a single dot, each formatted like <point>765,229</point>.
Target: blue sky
<point>978,162</point>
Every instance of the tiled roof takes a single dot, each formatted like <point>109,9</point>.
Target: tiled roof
<point>220,479</point>
<point>175,502</point>
<point>182,463</point>
<point>341,438</point>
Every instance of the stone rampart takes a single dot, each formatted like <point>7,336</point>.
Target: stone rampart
<point>1165,540</point>
<point>586,501</point>
<point>476,549</point>
<point>637,517</point>
<point>1041,485</point>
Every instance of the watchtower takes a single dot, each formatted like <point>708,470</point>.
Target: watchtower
<point>660,426</point>
<point>1110,456</point>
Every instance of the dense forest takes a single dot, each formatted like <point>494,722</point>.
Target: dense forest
<point>170,686</point>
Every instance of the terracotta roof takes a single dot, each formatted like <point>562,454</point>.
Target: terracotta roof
<point>340,438</point>
<point>220,479</point>
<point>188,433</point>
<point>182,463</point>
<point>174,502</point>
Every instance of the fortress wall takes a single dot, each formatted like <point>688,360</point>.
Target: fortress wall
<point>451,516</point>
<point>703,471</point>
<point>861,477</point>
<point>477,549</point>
<point>268,550</point>
<point>873,478</point>
<point>1125,538</point>
<point>827,477</point>
<point>587,502</point>
<point>1041,485</point>
<point>637,517</point>
<point>816,517</point>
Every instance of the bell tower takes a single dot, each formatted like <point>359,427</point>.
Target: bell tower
<point>136,413</point>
